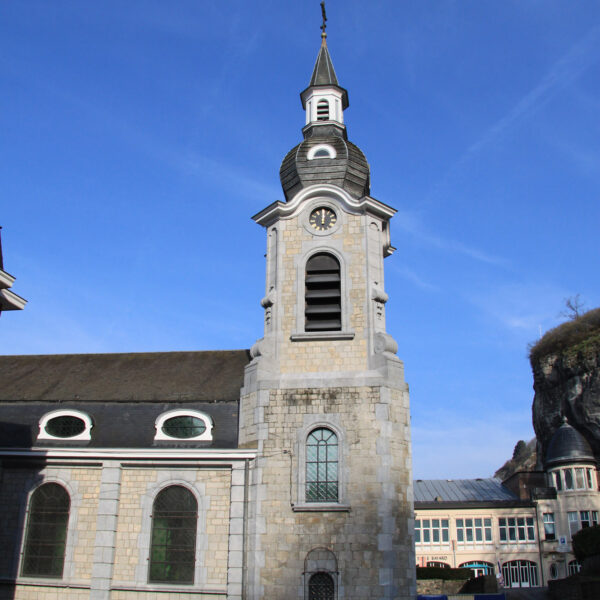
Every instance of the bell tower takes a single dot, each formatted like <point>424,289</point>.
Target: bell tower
<point>324,399</point>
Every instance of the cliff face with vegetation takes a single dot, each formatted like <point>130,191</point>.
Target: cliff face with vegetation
<point>566,380</point>
<point>524,458</point>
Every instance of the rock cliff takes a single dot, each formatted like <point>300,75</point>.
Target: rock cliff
<point>566,380</point>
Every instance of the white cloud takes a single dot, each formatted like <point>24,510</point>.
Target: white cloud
<point>525,307</point>
<point>410,223</point>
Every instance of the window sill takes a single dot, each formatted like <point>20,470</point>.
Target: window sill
<point>321,507</point>
<point>314,336</point>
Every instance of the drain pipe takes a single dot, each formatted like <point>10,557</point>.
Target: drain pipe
<point>245,529</point>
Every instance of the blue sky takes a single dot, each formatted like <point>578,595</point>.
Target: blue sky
<point>139,137</point>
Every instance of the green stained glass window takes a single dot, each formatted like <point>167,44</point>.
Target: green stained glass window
<point>65,427</point>
<point>322,466</point>
<point>184,427</point>
<point>173,546</point>
<point>46,536</point>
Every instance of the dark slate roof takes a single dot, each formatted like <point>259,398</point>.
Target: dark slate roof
<point>323,73</point>
<point>122,393</point>
<point>159,376</point>
<point>461,490</point>
<point>567,445</point>
<point>122,425</point>
<point>348,170</point>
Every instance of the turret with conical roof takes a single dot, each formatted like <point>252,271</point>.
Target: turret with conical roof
<point>567,445</point>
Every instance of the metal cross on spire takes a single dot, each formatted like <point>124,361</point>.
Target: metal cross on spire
<point>324,25</point>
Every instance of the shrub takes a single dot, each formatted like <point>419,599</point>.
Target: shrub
<point>443,573</point>
<point>582,332</point>
<point>586,543</point>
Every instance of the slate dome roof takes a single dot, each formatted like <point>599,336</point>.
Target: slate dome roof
<point>567,445</point>
<point>348,170</point>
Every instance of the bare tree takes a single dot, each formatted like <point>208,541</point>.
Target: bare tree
<point>574,307</point>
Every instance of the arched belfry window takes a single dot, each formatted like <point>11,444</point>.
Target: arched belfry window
<point>322,466</point>
<point>46,536</point>
<point>322,110</point>
<point>173,545</point>
<point>323,310</point>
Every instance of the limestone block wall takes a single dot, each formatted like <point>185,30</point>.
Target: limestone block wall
<point>139,487</point>
<point>82,484</point>
<point>296,244</point>
<point>110,523</point>
<point>370,530</point>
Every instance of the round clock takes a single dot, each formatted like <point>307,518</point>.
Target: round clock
<point>322,218</point>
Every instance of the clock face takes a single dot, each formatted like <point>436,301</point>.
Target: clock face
<point>322,218</point>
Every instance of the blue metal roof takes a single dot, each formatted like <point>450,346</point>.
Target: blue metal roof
<point>461,490</point>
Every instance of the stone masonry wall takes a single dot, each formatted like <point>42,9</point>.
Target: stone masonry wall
<point>295,242</point>
<point>372,539</point>
<point>82,483</point>
<point>139,487</point>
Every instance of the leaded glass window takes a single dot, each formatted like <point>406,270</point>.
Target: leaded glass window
<point>322,466</point>
<point>321,587</point>
<point>46,536</point>
<point>184,427</point>
<point>65,427</point>
<point>173,546</point>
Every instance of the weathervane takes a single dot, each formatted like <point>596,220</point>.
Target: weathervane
<point>323,26</point>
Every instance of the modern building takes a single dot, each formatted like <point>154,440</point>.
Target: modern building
<point>521,528</point>
<point>280,472</point>
<point>8,299</point>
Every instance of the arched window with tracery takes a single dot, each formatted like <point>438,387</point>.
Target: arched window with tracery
<point>46,533</point>
<point>173,542</point>
<point>323,306</point>
<point>322,466</point>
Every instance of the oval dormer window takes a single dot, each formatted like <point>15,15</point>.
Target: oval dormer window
<point>65,425</point>
<point>187,425</point>
<point>321,151</point>
<point>184,427</point>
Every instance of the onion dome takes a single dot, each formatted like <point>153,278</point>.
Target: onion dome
<point>342,164</point>
<point>567,445</point>
<point>325,156</point>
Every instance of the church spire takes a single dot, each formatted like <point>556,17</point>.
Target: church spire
<point>324,99</point>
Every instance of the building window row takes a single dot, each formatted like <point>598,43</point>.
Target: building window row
<point>431,531</point>
<point>475,530</point>
<point>172,547</point>
<point>573,478</point>
<point>516,529</point>
<point>581,519</point>
<point>515,573</point>
<point>74,425</point>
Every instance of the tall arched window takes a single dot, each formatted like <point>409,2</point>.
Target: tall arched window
<point>322,466</point>
<point>46,536</point>
<point>322,110</point>
<point>173,545</point>
<point>323,308</point>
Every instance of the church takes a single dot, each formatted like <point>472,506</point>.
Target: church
<point>279,472</point>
